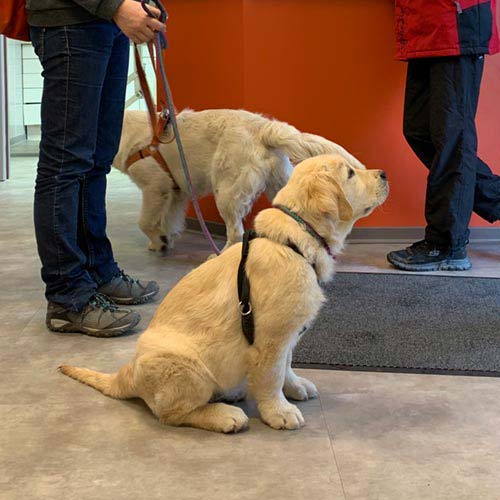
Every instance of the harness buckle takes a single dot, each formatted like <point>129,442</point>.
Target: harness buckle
<point>165,114</point>
<point>242,309</point>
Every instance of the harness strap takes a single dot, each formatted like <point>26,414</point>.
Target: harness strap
<point>145,86</point>
<point>157,124</point>
<point>247,321</point>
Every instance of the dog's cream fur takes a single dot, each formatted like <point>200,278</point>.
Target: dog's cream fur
<point>233,154</point>
<point>194,348</point>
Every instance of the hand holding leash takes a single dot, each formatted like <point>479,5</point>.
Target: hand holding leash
<point>139,22</point>
<point>159,12</point>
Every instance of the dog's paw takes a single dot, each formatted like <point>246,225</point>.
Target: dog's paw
<point>300,389</point>
<point>169,240</point>
<point>231,421</point>
<point>282,415</point>
<point>162,245</point>
<point>157,247</point>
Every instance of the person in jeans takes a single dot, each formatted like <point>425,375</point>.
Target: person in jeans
<point>83,46</point>
<point>445,42</point>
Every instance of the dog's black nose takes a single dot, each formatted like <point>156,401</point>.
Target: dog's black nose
<point>383,175</point>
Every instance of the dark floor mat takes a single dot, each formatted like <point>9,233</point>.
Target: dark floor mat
<point>406,322</point>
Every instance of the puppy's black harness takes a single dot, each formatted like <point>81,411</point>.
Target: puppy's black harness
<point>247,323</point>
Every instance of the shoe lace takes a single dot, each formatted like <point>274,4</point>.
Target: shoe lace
<point>423,246</point>
<point>100,301</point>
<point>126,277</point>
<point>420,245</point>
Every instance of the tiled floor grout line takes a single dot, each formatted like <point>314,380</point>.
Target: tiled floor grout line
<point>37,309</point>
<point>332,449</point>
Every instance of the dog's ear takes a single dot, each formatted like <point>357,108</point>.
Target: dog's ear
<point>327,197</point>
<point>344,208</point>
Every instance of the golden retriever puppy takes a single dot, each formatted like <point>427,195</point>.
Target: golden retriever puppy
<point>194,348</point>
<point>233,154</point>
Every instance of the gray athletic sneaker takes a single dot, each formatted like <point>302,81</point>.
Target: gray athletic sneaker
<point>99,318</point>
<point>123,289</point>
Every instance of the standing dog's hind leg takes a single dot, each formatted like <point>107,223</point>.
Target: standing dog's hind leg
<point>233,219</point>
<point>235,201</point>
<point>280,170</point>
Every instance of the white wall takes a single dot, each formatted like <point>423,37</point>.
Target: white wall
<point>24,110</point>
<point>15,90</point>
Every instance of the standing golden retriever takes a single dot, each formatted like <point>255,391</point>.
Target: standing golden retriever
<point>194,347</point>
<point>233,154</point>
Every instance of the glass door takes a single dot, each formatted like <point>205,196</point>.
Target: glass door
<point>20,96</point>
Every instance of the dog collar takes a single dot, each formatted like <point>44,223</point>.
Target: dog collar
<point>296,217</point>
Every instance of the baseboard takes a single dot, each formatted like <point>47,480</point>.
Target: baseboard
<point>215,228</point>
<point>397,234</point>
<point>374,234</point>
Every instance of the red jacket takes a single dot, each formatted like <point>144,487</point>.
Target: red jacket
<point>432,28</point>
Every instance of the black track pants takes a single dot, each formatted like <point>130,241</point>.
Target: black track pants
<point>439,124</point>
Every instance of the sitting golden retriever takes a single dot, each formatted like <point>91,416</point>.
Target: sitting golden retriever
<point>194,349</point>
<point>233,154</point>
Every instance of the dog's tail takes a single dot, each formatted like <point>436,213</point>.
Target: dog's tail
<point>118,385</point>
<point>299,146</point>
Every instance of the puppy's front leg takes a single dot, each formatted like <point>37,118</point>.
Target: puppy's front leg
<point>266,376</point>
<point>295,387</point>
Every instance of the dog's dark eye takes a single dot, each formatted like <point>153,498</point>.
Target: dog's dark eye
<point>351,173</point>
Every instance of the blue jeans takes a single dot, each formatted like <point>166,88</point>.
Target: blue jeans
<point>85,71</point>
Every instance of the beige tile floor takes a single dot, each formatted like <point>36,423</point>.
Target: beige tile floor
<point>368,436</point>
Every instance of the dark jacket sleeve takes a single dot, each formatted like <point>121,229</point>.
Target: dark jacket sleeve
<point>100,8</point>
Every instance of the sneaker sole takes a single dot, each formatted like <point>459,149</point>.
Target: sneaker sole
<point>130,301</point>
<point>62,326</point>
<point>445,265</point>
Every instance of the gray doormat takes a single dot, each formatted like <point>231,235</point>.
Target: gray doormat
<point>430,324</point>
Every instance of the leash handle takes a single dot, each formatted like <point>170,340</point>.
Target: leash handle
<point>163,18</point>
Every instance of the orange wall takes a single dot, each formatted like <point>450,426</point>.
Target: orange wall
<point>325,66</point>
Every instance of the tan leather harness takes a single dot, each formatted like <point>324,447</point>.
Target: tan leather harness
<point>158,122</point>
